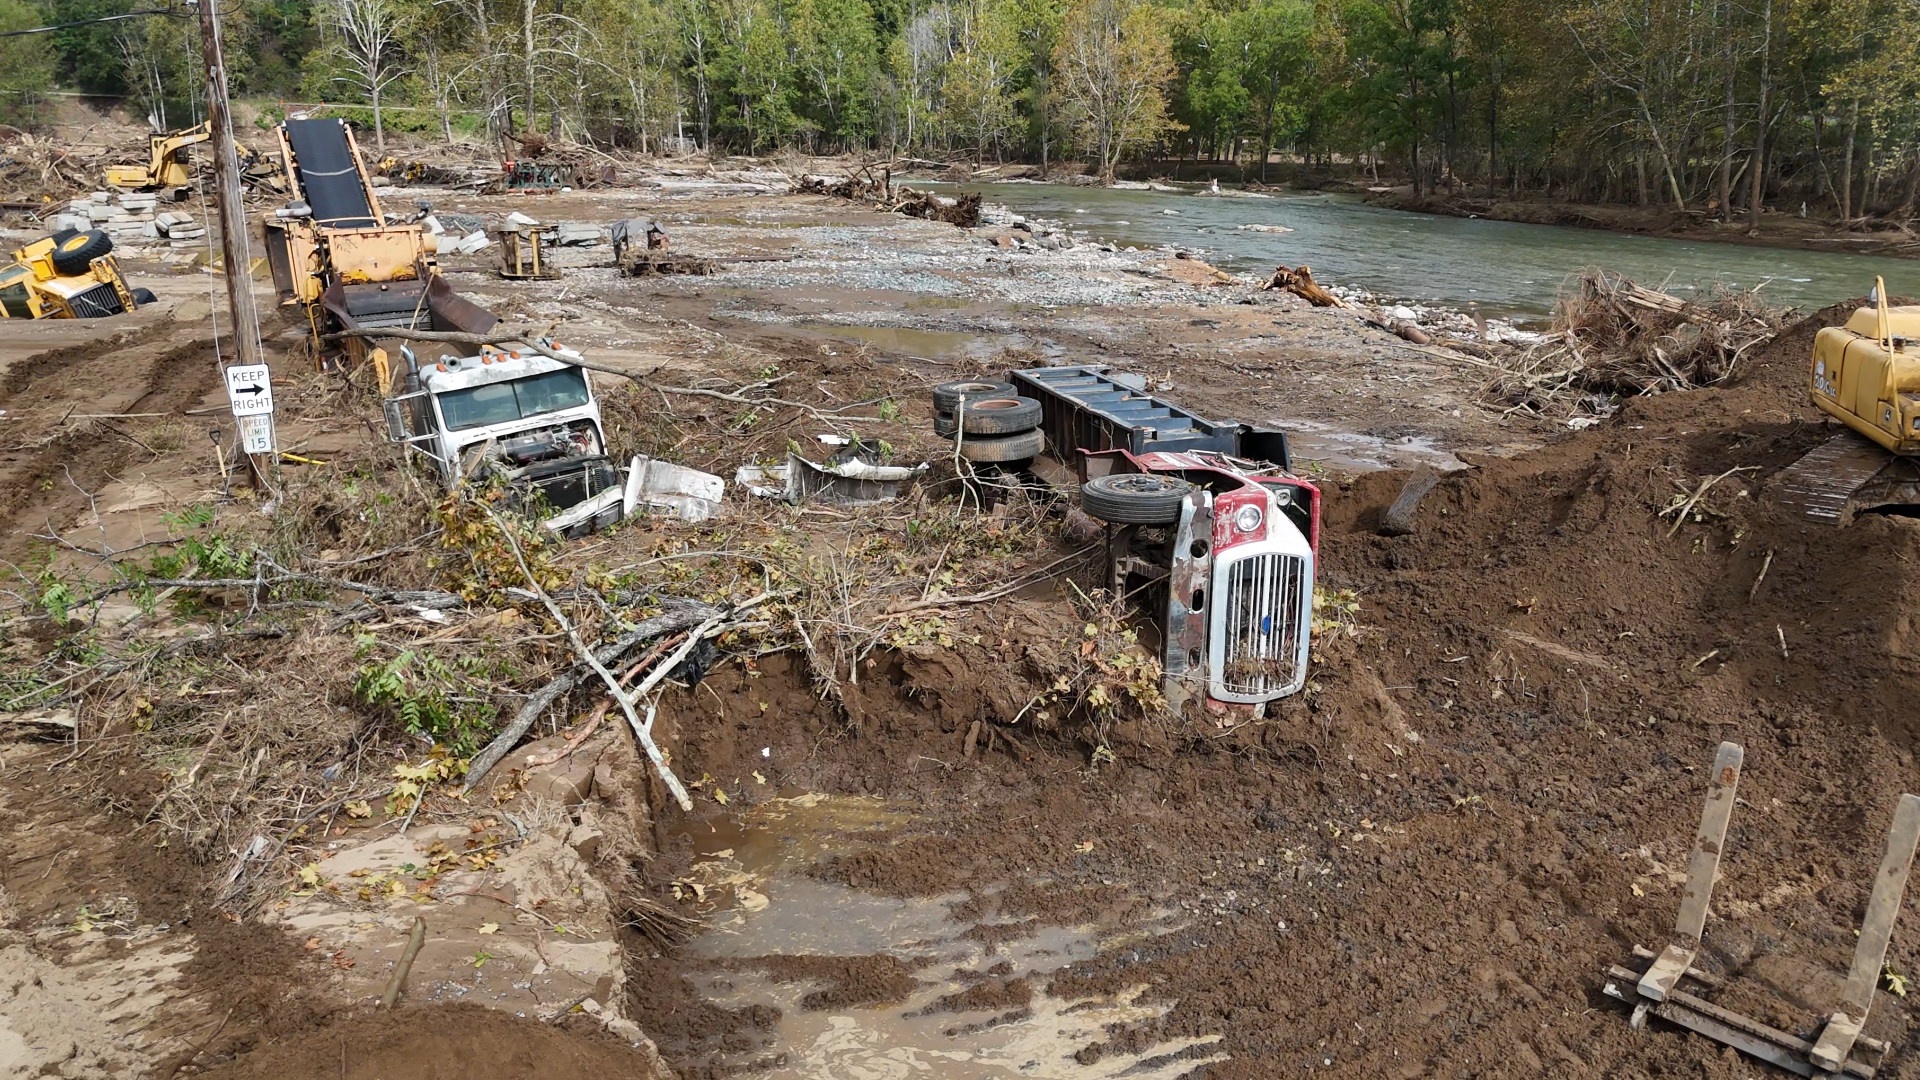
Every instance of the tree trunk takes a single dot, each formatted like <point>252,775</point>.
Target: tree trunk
<point>1493,136</point>
<point>526,44</point>
<point>1846,162</point>
<point>379,129</point>
<point>1728,128</point>
<point>1756,196</point>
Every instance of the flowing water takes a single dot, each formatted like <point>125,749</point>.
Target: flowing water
<point>1507,267</point>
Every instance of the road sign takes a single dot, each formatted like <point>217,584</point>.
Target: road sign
<point>250,389</point>
<point>256,433</point>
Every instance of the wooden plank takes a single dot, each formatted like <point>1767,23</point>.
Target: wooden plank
<point>1702,868</point>
<point>1889,887</point>
<point>1680,1002</point>
<point>1705,862</point>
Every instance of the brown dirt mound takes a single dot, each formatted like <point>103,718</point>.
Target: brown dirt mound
<point>1423,865</point>
<point>439,1042</point>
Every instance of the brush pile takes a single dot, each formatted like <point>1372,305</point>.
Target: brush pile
<point>1612,336</point>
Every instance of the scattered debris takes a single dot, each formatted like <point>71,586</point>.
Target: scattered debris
<point>854,476</point>
<point>1398,518</point>
<point>688,494</point>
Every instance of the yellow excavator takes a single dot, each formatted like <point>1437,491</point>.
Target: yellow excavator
<point>167,162</point>
<point>69,275</point>
<point>1866,374</point>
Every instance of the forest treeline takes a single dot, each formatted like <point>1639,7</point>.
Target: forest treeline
<point>1705,105</point>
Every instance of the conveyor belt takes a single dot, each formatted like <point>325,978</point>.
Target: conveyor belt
<point>328,175</point>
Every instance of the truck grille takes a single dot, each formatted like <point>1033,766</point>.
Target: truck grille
<point>96,302</point>
<point>1266,611</point>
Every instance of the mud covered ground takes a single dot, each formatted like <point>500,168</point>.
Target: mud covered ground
<point>1419,867</point>
<point>1423,866</point>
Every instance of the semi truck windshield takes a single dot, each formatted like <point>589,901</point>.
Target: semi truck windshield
<point>503,403</point>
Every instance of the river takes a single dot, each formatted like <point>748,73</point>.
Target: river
<point>1507,267</point>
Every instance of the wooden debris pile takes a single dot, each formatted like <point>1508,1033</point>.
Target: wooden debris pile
<point>33,167</point>
<point>874,185</point>
<point>1300,283</point>
<point>1613,336</point>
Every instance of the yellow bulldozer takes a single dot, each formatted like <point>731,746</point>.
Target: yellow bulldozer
<point>1866,374</point>
<point>69,275</point>
<point>167,163</point>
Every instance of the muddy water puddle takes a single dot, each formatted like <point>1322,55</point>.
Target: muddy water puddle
<point>977,1009</point>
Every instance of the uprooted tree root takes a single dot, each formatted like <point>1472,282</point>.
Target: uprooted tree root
<point>1613,337</point>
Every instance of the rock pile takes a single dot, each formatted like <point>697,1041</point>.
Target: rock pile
<point>131,218</point>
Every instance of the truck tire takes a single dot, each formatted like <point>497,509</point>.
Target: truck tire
<point>945,424</point>
<point>63,234</point>
<point>76,253</point>
<point>1003,449</point>
<point>1134,498</point>
<point>946,396</point>
<point>1000,416</point>
<point>143,297</point>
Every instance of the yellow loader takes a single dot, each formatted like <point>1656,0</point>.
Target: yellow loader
<point>1866,374</point>
<point>69,275</point>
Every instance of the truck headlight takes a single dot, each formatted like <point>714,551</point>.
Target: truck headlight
<point>1247,519</point>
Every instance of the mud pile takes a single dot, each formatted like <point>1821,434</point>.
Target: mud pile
<point>1423,865</point>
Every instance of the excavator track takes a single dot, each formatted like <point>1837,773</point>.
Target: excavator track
<point>1840,478</point>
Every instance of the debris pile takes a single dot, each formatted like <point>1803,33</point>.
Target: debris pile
<point>1613,336</point>
<point>865,185</point>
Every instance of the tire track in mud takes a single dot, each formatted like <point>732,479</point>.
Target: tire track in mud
<point>46,469</point>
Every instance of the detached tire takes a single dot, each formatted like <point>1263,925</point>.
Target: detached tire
<point>76,253</point>
<point>1002,449</point>
<point>946,396</point>
<point>1000,416</point>
<point>945,424</point>
<point>1134,498</point>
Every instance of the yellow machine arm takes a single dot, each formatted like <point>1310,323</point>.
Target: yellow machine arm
<point>164,167</point>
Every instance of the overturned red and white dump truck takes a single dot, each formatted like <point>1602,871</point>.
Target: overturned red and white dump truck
<point>1206,524</point>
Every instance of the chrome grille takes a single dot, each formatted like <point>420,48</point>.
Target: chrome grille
<point>96,302</point>
<point>1267,608</point>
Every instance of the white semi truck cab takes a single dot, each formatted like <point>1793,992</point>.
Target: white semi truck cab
<point>528,419</point>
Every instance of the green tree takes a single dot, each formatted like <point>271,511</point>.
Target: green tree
<point>1115,63</point>
<point>26,66</point>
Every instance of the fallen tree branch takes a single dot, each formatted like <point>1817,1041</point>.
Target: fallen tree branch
<point>416,938</point>
<point>688,614</point>
<point>580,649</point>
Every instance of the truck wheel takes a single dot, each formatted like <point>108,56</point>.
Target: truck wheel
<point>945,424</point>
<point>143,297</point>
<point>946,396</point>
<point>1134,498</point>
<point>1000,416</point>
<point>1001,449</point>
<point>76,253</point>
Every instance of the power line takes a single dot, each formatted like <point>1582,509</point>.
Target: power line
<point>88,22</point>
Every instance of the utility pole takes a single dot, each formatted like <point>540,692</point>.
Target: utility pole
<point>244,326</point>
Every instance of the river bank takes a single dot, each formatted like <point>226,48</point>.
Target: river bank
<point>1777,230</point>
